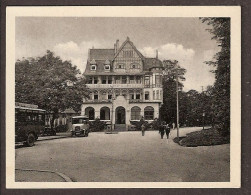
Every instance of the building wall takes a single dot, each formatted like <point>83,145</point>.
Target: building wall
<point>120,101</point>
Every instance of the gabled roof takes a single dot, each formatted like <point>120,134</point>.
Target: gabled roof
<point>131,43</point>
<point>152,62</point>
<point>101,54</point>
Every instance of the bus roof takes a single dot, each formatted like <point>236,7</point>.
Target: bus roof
<point>25,108</point>
<point>84,116</point>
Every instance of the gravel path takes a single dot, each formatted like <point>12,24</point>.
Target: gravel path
<point>128,157</point>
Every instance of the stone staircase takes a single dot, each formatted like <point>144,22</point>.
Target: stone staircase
<point>119,127</point>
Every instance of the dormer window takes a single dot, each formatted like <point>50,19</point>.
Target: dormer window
<point>107,67</point>
<point>135,66</point>
<point>120,66</point>
<point>93,67</point>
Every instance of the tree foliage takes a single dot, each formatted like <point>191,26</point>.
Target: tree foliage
<point>44,81</point>
<point>168,109</point>
<point>220,30</point>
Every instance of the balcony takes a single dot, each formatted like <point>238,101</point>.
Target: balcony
<point>98,101</point>
<point>102,86</point>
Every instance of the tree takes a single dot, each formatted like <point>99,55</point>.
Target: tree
<point>168,109</point>
<point>44,81</point>
<point>220,29</point>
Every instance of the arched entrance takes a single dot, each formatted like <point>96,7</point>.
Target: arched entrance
<point>90,112</point>
<point>105,113</point>
<point>120,115</point>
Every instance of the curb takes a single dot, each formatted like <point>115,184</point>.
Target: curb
<point>66,178</point>
<point>52,138</point>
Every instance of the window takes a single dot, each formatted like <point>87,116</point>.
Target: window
<point>149,113</point>
<point>95,96</point>
<point>135,113</point>
<point>138,79</point>
<point>124,79</point>
<point>146,95</point>
<point>157,94</point>
<point>105,113</point>
<point>137,96</point>
<point>124,93</point>
<point>158,80</point>
<point>93,67</point>
<point>154,95</point>
<point>147,81</point>
<point>107,67</point>
<point>117,79</point>
<point>160,94</point>
<point>132,96</point>
<point>103,79</point>
<point>120,66</point>
<point>90,80</point>
<point>90,112</point>
<point>90,96</point>
<point>95,80</point>
<point>131,79</point>
<point>109,80</point>
<point>128,54</point>
<point>109,96</point>
<point>135,66</point>
<point>117,93</point>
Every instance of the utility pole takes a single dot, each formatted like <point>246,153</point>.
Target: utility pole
<point>177,98</point>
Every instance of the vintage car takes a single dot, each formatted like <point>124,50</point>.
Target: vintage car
<point>80,126</point>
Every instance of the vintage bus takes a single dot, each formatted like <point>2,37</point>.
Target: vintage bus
<point>29,123</point>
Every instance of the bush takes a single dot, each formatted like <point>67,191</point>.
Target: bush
<point>156,124</point>
<point>138,124</point>
<point>97,125</point>
<point>207,137</point>
<point>61,128</point>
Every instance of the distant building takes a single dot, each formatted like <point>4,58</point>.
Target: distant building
<point>125,85</point>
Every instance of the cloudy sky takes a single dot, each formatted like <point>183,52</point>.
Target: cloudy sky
<point>183,39</point>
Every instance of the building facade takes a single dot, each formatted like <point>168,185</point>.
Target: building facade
<point>125,85</point>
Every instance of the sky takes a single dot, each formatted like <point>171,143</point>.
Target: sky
<point>182,39</point>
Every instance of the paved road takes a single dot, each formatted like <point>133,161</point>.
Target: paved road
<point>128,157</point>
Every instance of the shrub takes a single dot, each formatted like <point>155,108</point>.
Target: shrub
<point>205,137</point>
<point>61,128</point>
<point>156,124</point>
<point>97,125</point>
<point>138,124</point>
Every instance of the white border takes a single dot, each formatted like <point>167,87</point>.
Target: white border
<point>159,11</point>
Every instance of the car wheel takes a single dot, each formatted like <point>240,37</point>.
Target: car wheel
<point>30,140</point>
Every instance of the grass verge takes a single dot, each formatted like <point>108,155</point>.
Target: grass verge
<point>207,137</point>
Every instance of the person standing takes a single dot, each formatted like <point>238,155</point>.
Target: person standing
<point>173,125</point>
<point>143,129</point>
<point>162,129</point>
<point>167,129</point>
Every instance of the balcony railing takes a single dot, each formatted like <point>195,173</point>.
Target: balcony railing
<point>131,85</point>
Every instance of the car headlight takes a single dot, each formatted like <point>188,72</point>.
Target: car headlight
<point>77,128</point>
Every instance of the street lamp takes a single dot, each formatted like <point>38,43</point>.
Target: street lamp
<point>203,114</point>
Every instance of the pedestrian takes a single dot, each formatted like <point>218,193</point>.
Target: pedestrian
<point>143,128</point>
<point>173,124</point>
<point>167,130</point>
<point>162,129</point>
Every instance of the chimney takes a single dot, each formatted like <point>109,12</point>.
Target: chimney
<point>117,44</point>
<point>157,54</point>
<point>115,48</point>
<point>89,54</point>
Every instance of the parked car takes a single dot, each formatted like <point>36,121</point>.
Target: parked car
<point>80,126</point>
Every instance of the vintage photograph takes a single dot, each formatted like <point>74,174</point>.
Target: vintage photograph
<point>122,99</point>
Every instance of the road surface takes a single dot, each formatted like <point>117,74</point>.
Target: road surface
<point>127,157</point>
